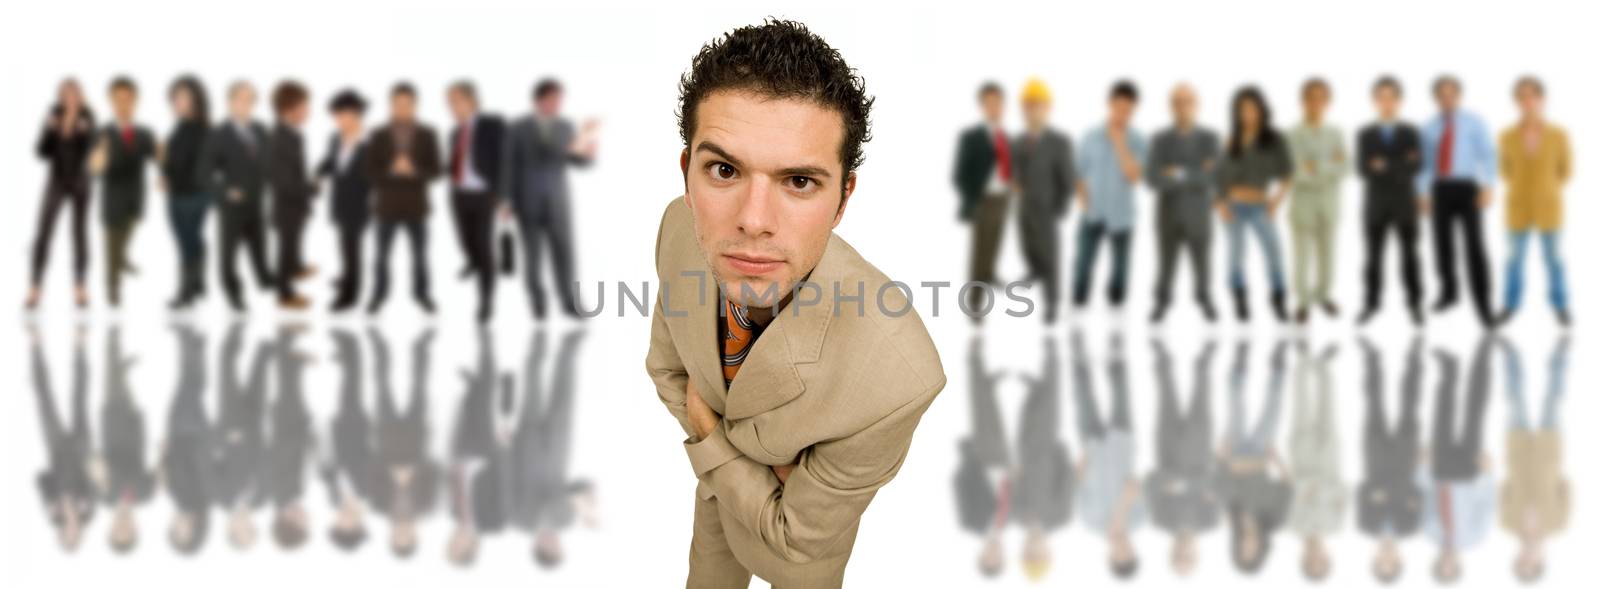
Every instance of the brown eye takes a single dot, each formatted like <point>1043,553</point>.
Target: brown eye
<point>723,171</point>
<point>800,182</point>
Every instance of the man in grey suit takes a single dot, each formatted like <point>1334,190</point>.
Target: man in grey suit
<point>1045,177</point>
<point>538,150</point>
<point>1183,158</point>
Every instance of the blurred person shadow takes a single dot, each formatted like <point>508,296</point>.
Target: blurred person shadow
<point>1389,498</point>
<point>1459,494</point>
<point>479,475</point>
<point>548,500</point>
<point>1536,497</point>
<point>348,458</point>
<point>983,478</point>
<point>1110,498</point>
<point>1318,505</point>
<point>290,442</point>
<point>1182,488</point>
<point>1045,476</point>
<point>188,454</point>
<point>240,442</point>
<point>1252,479</point>
<point>66,488</point>
<point>406,479</point>
<point>130,477</point>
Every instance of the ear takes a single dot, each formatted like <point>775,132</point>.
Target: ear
<point>683,167</point>
<point>849,188</point>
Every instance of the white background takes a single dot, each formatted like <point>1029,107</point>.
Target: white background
<point>620,62</point>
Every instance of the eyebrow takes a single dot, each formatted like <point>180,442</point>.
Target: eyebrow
<point>810,171</point>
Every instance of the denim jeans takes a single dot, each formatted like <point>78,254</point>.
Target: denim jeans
<point>1254,217</point>
<point>188,215</point>
<point>1555,270</point>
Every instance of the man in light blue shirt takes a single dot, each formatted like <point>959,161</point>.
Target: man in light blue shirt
<point>1457,177</point>
<point>1109,168</point>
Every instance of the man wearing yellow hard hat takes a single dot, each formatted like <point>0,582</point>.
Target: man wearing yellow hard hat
<point>1045,178</point>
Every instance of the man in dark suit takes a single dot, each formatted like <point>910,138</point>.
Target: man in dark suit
<point>538,151</point>
<point>403,158</point>
<point>1389,155</point>
<point>1388,501</point>
<point>1046,179</point>
<point>125,149</point>
<point>983,179</point>
<point>350,205</point>
<point>292,189</point>
<point>238,155</point>
<point>475,159</point>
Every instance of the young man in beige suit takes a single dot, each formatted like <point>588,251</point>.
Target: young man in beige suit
<point>799,397</point>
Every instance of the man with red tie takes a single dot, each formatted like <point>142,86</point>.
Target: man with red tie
<point>474,171</point>
<point>983,181</point>
<point>1458,173</point>
<point>122,153</point>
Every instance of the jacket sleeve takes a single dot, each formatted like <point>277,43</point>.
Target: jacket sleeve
<point>379,158</point>
<point>827,492</point>
<point>48,139</point>
<point>428,164</point>
<point>662,362</point>
<point>1066,178</point>
<point>508,166</point>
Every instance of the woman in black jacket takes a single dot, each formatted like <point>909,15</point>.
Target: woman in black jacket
<point>187,198</point>
<point>64,144</point>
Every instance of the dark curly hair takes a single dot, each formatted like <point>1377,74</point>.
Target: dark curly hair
<point>780,59</point>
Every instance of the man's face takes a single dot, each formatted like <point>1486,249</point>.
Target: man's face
<point>1529,100</point>
<point>994,106</point>
<point>123,101</point>
<point>1184,104</point>
<point>1037,112</point>
<point>1448,95</point>
<point>241,102</point>
<point>1121,111</point>
<point>1387,101</point>
<point>297,115</point>
<point>403,107</point>
<point>1316,102</point>
<point>461,107</point>
<point>763,178</point>
<point>548,105</point>
<point>348,121</point>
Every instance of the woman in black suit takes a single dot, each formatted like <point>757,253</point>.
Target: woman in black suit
<point>351,203</point>
<point>64,144</point>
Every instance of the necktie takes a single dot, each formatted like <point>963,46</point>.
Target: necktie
<point>127,136</point>
<point>458,163</point>
<point>1447,521</point>
<point>738,336</point>
<point>1447,141</point>
<point>1002,156</point>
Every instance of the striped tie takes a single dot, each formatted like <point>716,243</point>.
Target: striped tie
<point>738,335</point>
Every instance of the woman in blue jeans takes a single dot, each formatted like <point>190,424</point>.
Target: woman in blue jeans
<point>1253,179</point>
<point>187,197</point>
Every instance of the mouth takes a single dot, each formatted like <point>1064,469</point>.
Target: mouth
<point>752,264</point>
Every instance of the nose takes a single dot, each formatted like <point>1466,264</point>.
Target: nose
<point>758,211</point>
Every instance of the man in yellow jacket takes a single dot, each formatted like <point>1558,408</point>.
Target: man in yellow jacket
<point>1535,161</point>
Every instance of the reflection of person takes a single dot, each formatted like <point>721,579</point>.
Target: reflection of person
<point>1110,163</point>
<point>1388,500</point>
<point>1182,162</point>
<point>983,172</point>
<point>240,433</point>
<point>479,454</point>
<point>188,459</point>
<point>984,473</point>
<point>1251,181</point>
<point>1388,155</point>
<point>1045,179</point>
<point>347,462</point>
<point>236,171</point>
<point>1536,161</point>
<point>773,121</point>
<point>1046,476</point>
<point>539,148</point>
<point>1110,501</point>
<point>546,500</point>
<point>292,189</point>
<point>404,476</point>
<point>1320,165</point>
<point>1317,508</point>
<point>188,200</point>
<point>290,444</point>
<point>1182,487</point>
<point>64,145</point>
<point>402,158</point>
<point>1458,491</point>
<point>130,478</point>
<point>1458,169</point>
<point>349,200</point>
<point>1252,480</point>
<point>1536,499</point>
<point>474,176</point>
<point>122,152</point>
<point>65,485</point>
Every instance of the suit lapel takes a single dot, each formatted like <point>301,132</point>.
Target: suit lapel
<point>769,379</point>
<point>690,299</point>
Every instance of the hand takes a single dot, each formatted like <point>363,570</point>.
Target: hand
<point>1425,205</point>
<point>782,471</point>
<point>1170,171</point>
<point>1485,196</point>
<point>1224,212</point>
<point>402,166</point>
<point>505,212</point>
<point>235,195</point>
<point>1272,206</point>
<point>162,182</point>
<point>702,419</point>
<point>1378,164</point>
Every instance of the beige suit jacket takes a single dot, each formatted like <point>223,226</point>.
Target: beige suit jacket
<point>835,386</point>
